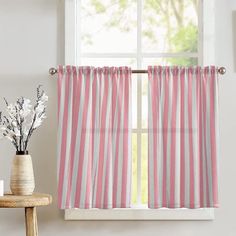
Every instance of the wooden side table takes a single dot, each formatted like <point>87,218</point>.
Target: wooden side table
<point>29,203</point>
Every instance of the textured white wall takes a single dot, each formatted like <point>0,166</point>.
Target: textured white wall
<point>31,40</point>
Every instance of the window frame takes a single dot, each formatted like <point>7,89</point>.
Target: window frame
<point>205,55</point>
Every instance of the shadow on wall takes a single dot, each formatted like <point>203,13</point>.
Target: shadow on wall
<point>46,142</point>
<point>234,39</point>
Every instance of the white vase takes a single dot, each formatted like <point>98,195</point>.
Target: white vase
<point>22,175</point>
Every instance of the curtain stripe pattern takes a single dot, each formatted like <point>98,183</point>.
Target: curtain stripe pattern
<point>94,137</point>
<point>183,137</point>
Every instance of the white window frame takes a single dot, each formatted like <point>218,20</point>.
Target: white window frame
<point>205,55</point>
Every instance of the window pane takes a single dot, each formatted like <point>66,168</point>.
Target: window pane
<point>170,26</point>
<point>177,61</point>
<point>134,169</point>
<point>108,62</point>
<point>144,181</point>
<point>108,26</point>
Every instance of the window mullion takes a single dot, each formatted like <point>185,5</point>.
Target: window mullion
<point>143,54</point>
<point>200,32</point>
<point>109,55</point>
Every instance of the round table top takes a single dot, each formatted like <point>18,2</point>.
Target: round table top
<point>34,200</point>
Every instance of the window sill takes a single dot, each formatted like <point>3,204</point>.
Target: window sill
<point>140,214</point>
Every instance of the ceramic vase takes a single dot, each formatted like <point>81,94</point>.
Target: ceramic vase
<point>22,174</point>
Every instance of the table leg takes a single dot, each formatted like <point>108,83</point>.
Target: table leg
<point>31,221</point>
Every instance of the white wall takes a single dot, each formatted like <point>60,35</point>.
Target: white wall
<point>31,40</point>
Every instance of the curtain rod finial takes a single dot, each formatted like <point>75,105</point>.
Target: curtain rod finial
<point>222,70</point>
<point>52,71</point>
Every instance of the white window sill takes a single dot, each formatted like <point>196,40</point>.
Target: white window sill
<point>140,214</point>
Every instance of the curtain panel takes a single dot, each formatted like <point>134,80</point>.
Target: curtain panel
<point>182,137</point>
<point>94,137</point>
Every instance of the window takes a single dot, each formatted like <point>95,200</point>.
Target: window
<point>138,33</point>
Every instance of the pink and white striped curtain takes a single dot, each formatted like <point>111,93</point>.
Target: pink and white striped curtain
<point>183,137</point>
<point>94,137</point>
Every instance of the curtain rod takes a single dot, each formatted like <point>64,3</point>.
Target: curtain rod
<point>221,70</point>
